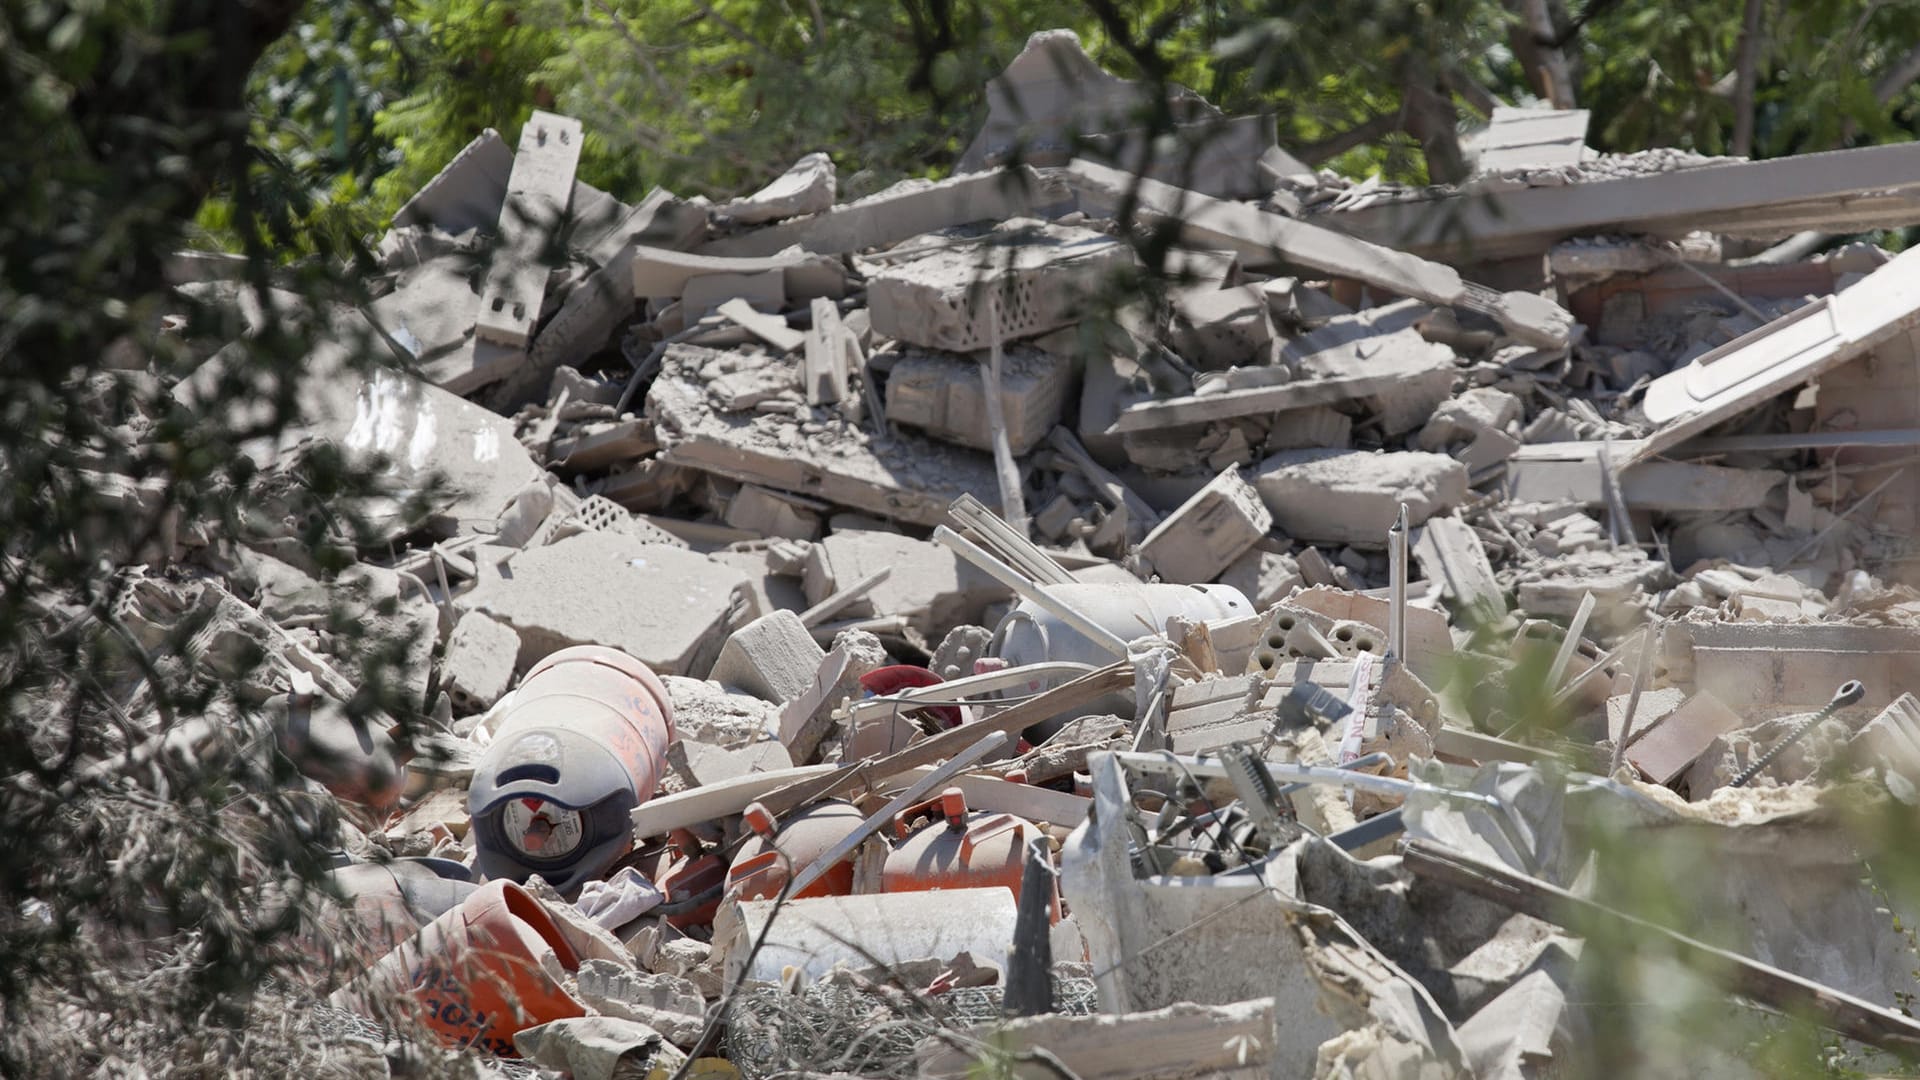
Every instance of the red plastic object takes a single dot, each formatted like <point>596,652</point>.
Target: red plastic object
<point>478,972</point>
<point>897,677</point>
<point>693,872</point>
<point>773,854</point>
<point>968,850</point>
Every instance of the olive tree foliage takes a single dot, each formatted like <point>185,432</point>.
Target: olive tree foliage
<point>152,836</point>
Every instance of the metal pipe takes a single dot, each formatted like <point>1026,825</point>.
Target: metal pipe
<point>1397,583</point>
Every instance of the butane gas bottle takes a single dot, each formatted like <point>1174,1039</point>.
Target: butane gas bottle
<point>958,849</point>
<point>776,851</point>
<point>580,744</point>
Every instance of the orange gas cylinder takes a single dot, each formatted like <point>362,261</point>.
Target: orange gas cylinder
<point>769,857</point>
<point>967,851</point>
<point>693,882</point>
<point>480,973</point>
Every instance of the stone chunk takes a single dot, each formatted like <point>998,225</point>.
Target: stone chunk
<point>1353,496</point>
<point>1474,428</point>
<point>479,663</point>
<point>1212,529</point>
<point>773,658</point>
<point>945,396</point>
<point>807,719</point>
<point>665,606</point>
<point>1224,328</point>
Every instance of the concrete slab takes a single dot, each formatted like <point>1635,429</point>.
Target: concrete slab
<point>539,190</point>
<point>1353,496</point>
<point>665,606</point>
<point>905,478</point>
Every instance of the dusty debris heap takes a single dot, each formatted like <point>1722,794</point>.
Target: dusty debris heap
<point>872,637</point>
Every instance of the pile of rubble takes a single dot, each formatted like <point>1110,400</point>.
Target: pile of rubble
<point>873,637</point>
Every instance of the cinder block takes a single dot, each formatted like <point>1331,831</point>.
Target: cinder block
<point>773,658</point>
<point>1212,529</point>
<point>479,661</point>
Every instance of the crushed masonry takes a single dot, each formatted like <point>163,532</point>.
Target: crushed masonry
<point>1222,660</point>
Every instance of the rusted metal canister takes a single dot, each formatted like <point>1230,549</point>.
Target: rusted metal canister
<point>479,973</point>
<point>580,744</point>
<point>774,852</point>
<point>966,850</point>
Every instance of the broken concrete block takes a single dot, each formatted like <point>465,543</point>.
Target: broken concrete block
<point>1352,496</point>
<point>772,514</point>
<point>1111,383</point>
<point>1263,577</point>
<point>1053,98</point>
<point>905,478</point>
<point>1222,329</point>
<point>1450,554</point>
<point>806,188</point>
<point>1765,670</point>
<point>771,329</point>
<point>927,583</point>
<point>774,658</point>
<point>807,719</point>
<point>833,355</point>
<point>1020,280</point>
<point>659,272</point>
<point>665,606</point>
<point>1375,357</point>
<point>1571,472</point>
<point>479,662</point>
<point>538,193</point>
<point>1260,238</point>
<point>1891,742</point>
<point>466,193</point>
<point>764,291</point>
<point>946,397</point>
<point>1473,427</point>
<point>1215,527</point>
<point>1688,725</point>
